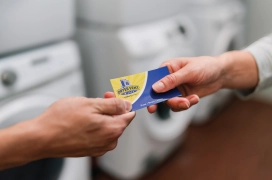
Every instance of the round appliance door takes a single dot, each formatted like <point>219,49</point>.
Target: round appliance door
<point>18,110</point>
<point>165,125</point>
<point>23,108</point>
<point>228,39</point>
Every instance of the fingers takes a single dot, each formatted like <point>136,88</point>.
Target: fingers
<point>112,128</point>
<point>112,106</point>
<point>109,95</point>
<point>170,81</point>
<point>152,109</point>
<point>178,103</point>
<point>175,64</point>
<point>112,146</point>
<point>194,99</point>
<point>182,103</point>
<point>176,77</point>
<point>127,118</point>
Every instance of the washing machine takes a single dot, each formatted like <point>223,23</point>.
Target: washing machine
<point>30,82</point>
<point>119,48</point>
<point>220,24</point>
<point>29,23</point>
<point>116,13</point>
<point>220,28</point>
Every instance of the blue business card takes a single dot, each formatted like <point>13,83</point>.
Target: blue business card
<point>137,88</point>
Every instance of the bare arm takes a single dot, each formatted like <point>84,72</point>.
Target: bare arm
<point>20,144</point>
<point>71,127</point>
<point>239,70</point>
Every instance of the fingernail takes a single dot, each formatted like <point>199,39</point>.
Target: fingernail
<point>194,99</point>
<point>128,106</point>
<point>184,105</point>
<point>159,86</point>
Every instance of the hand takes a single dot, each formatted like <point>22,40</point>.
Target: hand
<point>70,127</point>
<point>194,78</point>
<point>80,126</point>
<point>200,76</point>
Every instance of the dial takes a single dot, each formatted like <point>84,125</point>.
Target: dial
<point>8,77</point>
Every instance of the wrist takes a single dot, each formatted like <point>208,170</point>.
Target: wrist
<point>42,136</point>
<point>226,62</point>
<point>239,70</point>
<point>20,144</point>
<point>31,139</point>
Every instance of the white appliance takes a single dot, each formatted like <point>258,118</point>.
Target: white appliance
<point>126,12</point>
<point>30,82</point>
<point>205,2</point>
<point>28,23</point>
<point>111,51</point>
<point>220,26</point>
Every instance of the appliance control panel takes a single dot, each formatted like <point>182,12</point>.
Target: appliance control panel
<point>27,70</point>
<point>152,38</point>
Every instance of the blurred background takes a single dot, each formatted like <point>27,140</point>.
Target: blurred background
<point>52,49</point>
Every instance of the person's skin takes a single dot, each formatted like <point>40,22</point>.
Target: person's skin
<point>70,127</point>
<point>200,76</point>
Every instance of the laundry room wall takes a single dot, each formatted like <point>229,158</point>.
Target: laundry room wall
<point>259,24</point>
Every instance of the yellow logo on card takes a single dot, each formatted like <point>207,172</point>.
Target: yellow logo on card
<point>129,87</point>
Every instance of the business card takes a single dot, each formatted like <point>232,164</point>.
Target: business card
<point>137,88</point>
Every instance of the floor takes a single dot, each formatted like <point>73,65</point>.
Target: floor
<point>236,144</point>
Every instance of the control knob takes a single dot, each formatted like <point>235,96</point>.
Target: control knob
<point>8,78</point>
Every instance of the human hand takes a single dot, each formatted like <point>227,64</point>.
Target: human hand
<point>200,76</point>
<point>80,126</point>
<point>194,78</point>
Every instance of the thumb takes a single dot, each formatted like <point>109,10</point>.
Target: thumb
<point>112,106</point>
<point>170,81</point>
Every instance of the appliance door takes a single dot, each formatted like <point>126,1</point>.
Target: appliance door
<point>230,38</point>
<point>126,12</point>
<point>149,46</point>
<point>165,125</point>
<point>18,110</point>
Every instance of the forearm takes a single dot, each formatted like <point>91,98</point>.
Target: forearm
<point>20,144</point>
<point>240,70</point>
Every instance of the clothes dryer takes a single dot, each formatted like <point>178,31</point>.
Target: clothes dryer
<point>220,25</point>
<point>220,28</point>
<point>30,82</point>
<point>29,23</point>
<point>112,53</point>
<point>205,2</point>
<point>126,12</point>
